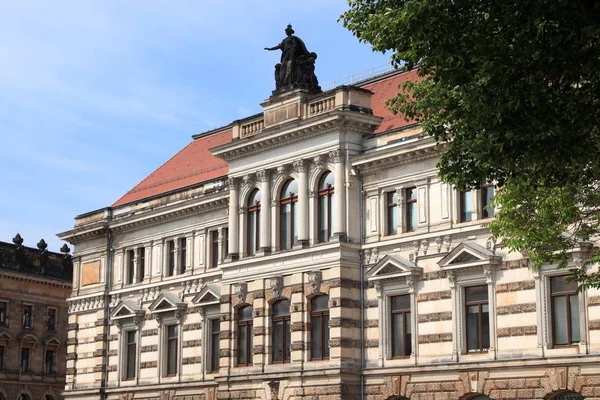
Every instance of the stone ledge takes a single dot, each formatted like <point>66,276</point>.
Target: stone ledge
<point>515,286</point>
<point>434,317</point>
<point>433,296</point>
<point>435,338</point>
<point>518,331</point>
<point>516,309</point>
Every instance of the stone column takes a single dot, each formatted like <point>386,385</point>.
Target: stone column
<point>234,219</point>
<point>265,210</point>
<point>400,208</point>
<point>136,264</point>
<point>302,168</point>
<point>339,203</point>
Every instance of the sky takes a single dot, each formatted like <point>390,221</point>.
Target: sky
<point>95,95</point>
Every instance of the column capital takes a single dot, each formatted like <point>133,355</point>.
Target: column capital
<point>263,175</point>
<point>301,166</point>
<point>249,180</point>
<point>337,155</point>
<point>320,161</point>
<point>233,183</point>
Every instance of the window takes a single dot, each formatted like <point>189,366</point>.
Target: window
<point>487,194</point>
<point>565,311</point>
<point>27,314</point>
<point>49,397</point>
<point>172,345</point>
<point>130,354</point>
<point>466,205</point>
<point>281,331</point>
<point>401,326</point>
<point>171,259</point>
<point>130,267</point>
<point>3,313</point>
<point>215,331</point>
<point>142,262</point>
<point>52,319</point>
<point>245,336</point>
<point>325,206</point>
<point>49,361</point>
<point>289,215</point>
<point>411,209</point>
<point>214,249</point>
<point>477,318</point>
<point>319,327</point>
<point>182,254</point>
<point>2,352</point>
<point>25,359</point>
<point>253,222</point>
<point>392,213</point>
<point>226,244</point>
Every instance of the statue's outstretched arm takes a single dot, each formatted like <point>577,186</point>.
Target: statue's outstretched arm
<point>273,48</point>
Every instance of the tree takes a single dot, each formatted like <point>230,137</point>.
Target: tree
<point>515,86</point>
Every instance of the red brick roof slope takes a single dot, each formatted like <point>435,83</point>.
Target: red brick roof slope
<point>384,90</point>
<point>192,165</point>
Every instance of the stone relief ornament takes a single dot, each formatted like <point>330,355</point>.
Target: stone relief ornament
<point>489,273</point>
<point>276,285</point>
<point>315,279</point>
<point>240,290</point>
<point>320,162</point>
<point>416,246</point>
<point>249,180</point>
<point>451,278</point>
<point>410,282</point>
<point>374,255</point>
<point>300,166</point>
<point>424,246</point>
<point>378,287</point>
<point>263,175</point>
<point>447,243</point>
<point>337,155</point>
<point>438,244</point>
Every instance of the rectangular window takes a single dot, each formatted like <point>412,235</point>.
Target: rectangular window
<point>130,267</point>
<point>392,213</point>
<point>27,314</point>
<point>171,258</point>
<point>214,249</point>
<point>25,359</point>
<point>3,313</point>
<point>565,311</point>
<point>401,326</point>
<point>51,319</point>
<point>172,344</point>
<point>2,351</point>
<point>142,262</point>
<point>411,209</point>
<point>226,244</point>
<point>131,352</point>
<point>49,367</point>
<point>215,331</point>
<point>466,205</point>
<point>487,194</point>
<point>182,254</point>
<point>477,318</point>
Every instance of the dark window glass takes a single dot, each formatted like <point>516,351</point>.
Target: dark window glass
<point>487,195</point>
<point>131,355</point>
<point>48,397</point>
<point>172,344</point>
<point>477,318</point>
<point>182,254</point>
<point>171,261</point>
<point>51,319</point>
<point>226,244</point>
<point>142,262</point>
<point>3,313</point>
<point>2,350</point>
<point>214,249</point>
<point>411,209</point>
<point>27,315</point>
<point>319,327</point>
<point>281,331</point>
<point>25,359</point>
<point>50,354</point>
<point>130,267</point>
<point>245,336</point>
<point>565,311</point>
<point>289,215</point>
<point>466,206</point>
<point>392,213</point>
<point>401,326</point>
<point>253,222</point>
<point>215,327</point>
<point>325,206</point>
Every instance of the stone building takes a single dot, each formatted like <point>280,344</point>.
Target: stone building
<point>34,286</point>
<point>312,252</point>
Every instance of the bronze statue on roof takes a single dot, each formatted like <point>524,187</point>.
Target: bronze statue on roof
<point>297,67</point>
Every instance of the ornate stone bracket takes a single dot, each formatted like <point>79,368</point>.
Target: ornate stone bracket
<point>315,278</point>
<point>240,290</point>
<point>276,284</point>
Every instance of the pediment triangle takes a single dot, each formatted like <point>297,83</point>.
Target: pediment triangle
<point>125,308</point>
<point>165,301</point>
<point>392,264</point>
<point>51,340</point>
<point>208,294</point>
<point>466,252</point>
<point>5,335</point>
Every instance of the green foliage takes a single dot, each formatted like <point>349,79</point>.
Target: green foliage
<point>515,85</point>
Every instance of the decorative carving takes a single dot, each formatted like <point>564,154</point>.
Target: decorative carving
<point>65,249</point>
<point>240,290</point>
<point>489,273</point>
<point>451,278</point>
<point>274,390</point>
<point>283,171</point>
<point>417,246</point>
<point>42,245</point>
<point>297,66</point>
<point>424,246</point>
<point>18,240</point>
<point>232,183</point>
<point>438,243</point>
<point>178,316</point>
<point>276,284</point>
<point>447,242</point>
<point>378,287</point>
<point>320,162</point>
<point>263,175</point>
<point>315,278</point>
<point>374,255</point>
<point>300,166</point>
<point>410,282</point>
<point>249,180</point>
<point>368,256</point>
<point>337,155</point>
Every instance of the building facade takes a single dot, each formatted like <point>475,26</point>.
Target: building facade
<point>312,252</point>
<point>34,286</point>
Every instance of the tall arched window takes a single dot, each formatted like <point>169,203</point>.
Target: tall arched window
<point>281,331</point>
<point>325,206</point>
<point>245,334</point>
<point>319,327</point>
<point>253,222</point>
<point>289,215</point>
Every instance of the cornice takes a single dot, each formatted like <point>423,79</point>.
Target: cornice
<point>33,279</point>
<point>83,234</point>
<point>395,157</point>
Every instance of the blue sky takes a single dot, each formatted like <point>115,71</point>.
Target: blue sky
<point>95,95</point>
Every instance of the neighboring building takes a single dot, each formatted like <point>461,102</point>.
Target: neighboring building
<point>312,252</point>
<point>34,286</point>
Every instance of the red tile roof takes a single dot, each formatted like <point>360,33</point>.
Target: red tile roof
<point>383,90</point>
<point>192,165</point>
<point>195,163</point>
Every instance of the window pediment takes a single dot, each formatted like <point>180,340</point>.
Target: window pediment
<point>126,309</point>
<point>5,335</point>
<point>27,337</point>
<point>209,295</point>
<point>167,302</point>
<point>468,255</point>
<point>51,339</point>
<point>393,267</point>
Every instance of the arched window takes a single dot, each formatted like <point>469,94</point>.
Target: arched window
<point>319,327</point>
<point>281,331</point>
<point>325,206</point>
<point>289,215</point>
<point>23,396</point>
<point>253,222</point>
<point>564,395</point>
<point>245,336</point>
<point>49,397</point>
